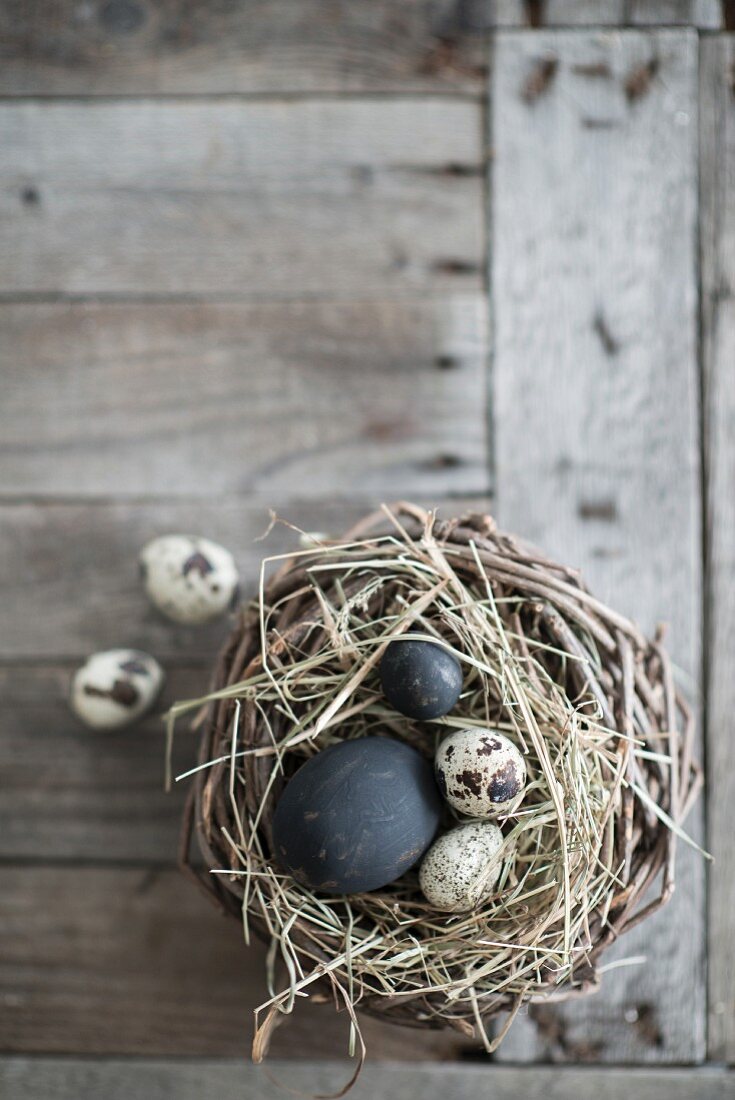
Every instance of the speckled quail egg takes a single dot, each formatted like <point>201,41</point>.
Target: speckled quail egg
<point>115,688</point>
<point>480,772</point>
<point>462,867</point>
<point>191,580</point>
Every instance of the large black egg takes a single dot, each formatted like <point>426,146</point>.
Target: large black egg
<point>356,816</point>
<point>420,679</point>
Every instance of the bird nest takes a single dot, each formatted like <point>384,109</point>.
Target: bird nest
<point>592,704</point>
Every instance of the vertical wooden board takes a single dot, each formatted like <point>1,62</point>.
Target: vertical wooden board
<point>594,283</point>
<point>717,113</point>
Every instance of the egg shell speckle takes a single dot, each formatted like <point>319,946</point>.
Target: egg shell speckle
<point>357,815</point>
<point>115,688</point>
<point>461,868</point>
<point>189,579</point>
<point>480,772</point>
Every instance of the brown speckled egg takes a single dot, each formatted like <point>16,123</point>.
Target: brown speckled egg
<point>480,772</point>
<point>189,579</point>
<point>462,867</point>
<point>115,688</point>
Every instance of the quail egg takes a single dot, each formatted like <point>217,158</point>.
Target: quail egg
<point>420,679</point>
<point>480,772</point>
<point>190,580</point>
<point>462,867</point>
<point>115,688</point>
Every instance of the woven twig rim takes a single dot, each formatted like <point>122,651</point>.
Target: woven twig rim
<point>630,726</point>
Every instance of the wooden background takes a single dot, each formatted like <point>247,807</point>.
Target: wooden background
<point>312,254</point>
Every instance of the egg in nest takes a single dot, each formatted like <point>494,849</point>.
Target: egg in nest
<point>462,867</point>
<point>480,772</point>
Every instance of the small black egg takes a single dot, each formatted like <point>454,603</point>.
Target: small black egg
<point>420,679</point>
<point>356,816</point>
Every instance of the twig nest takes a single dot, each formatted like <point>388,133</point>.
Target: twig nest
<point>356,816</point>
<point>189,579</point>
<point>115,688</point>
<point>480,772</point>
<point>596,724</point>
<point>420,679</point>
<point>462,867</point>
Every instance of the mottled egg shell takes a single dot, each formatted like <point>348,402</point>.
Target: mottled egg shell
<point>462,867</point>
<point>356,816</point>
<point>479,772</point>
<point>191,580</point>
<point>420,679</point>
<point>115,688</point>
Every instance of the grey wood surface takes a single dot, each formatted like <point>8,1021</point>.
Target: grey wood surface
<point>73,796</point>
<point>256,276</point>
<point>595,413</point>
<point>718,301</point>
<point>137,961</point>
<point>395,390</point>
<point>272,46</point>
<point>128,47</point>
<point>242,198</point>
<point>94,600</point>
<point>157,1079</point>
<point>707,14</point>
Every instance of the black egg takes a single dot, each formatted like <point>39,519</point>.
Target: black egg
<point>420,679</point>
<point>356,816</point>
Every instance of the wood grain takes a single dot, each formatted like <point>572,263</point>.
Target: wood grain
<point>135,961</point>
<point>72,795</point>
<point>278,46</point>
<point>595,414</point>
<point>198,399</point>
<point>706,14</point>
<point>136,47</point>
<point>261,199</point>
<point>718,353</point>
<point>72,584</point>
<point>77,1079</point>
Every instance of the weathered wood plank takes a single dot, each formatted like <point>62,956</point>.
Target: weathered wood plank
<point>705,14</point>
<point>147,197</point>
<point>552,13</point>
<point>190,400</point>
<point>73,795</point>
<point>77,1079</point>
<point>135,961</point>
<point>717,112</point>
<point>289,46</point>
<point>596,393</point>
<point>70,579</point>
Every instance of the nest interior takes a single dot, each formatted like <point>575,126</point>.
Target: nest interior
<point>589,700</point>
